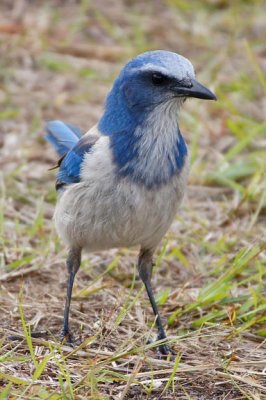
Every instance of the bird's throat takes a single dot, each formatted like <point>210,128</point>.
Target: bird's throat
<point>154,151</point>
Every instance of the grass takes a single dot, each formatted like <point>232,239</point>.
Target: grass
<point>210,273</point>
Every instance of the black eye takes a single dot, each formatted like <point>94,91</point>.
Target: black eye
<point>158,79</point>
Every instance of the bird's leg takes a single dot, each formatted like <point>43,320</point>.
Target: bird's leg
<point>145,265</point>
<point>73,264</point>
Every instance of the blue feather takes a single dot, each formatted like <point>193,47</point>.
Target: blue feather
<point>74,129</point>
<point>71,146</point>
<point>125,147</point>
<point>62,136</point>
<point>69,171</point>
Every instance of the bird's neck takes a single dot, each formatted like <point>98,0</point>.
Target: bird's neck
<point>151,150</point>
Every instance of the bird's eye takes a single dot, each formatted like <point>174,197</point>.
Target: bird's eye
<point>158,79</point>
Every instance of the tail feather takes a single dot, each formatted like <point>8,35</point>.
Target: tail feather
<point>74,129</point>
<point>62,136</point>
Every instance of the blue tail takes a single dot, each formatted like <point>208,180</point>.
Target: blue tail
<point>62,136</point>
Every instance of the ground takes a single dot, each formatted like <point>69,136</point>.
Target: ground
<point>57,60</point>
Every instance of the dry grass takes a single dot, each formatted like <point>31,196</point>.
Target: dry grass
<point>57,60</point>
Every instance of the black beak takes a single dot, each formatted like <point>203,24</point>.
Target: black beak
<point>195,90</point>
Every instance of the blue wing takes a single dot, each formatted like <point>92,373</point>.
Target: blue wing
<point>69,170</point>
<point>71,146</point>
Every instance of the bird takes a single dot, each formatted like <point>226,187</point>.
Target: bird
<point>121,183</point>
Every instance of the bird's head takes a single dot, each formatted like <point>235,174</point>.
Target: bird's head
<point>158,76</point>
<point>150,79</point>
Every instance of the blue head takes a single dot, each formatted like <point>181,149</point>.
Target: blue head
<point>140,116</point>
<point>148,80</point>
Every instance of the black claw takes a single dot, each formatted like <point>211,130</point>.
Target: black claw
<point>16,337</point>
<point>66,338</point>
<point>165,351</point>
<point>34,335</point>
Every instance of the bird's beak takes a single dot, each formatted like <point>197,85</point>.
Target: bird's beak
<point>196,90</point>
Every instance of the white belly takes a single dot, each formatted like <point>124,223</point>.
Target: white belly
<point>104,212</point>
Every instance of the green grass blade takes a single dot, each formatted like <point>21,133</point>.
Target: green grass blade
<point>27,331</point>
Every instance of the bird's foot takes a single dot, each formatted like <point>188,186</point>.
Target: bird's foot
<point>66,337</point>
<point>165,351</point>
